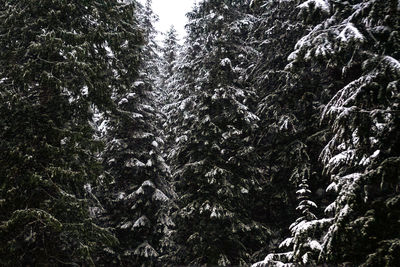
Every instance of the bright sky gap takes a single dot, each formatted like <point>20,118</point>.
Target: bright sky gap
<point>171,12</point>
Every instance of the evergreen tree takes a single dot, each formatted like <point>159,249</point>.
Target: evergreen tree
<point>289,136</point>
<point>304,248</point>
<point>150,58</point>
<point>357,44</point>
<point>167,84</point>
<point>362,157</point>
<point>169,55</point>
<point>138,200</point>
<point>55,70</point>
<point>213,159</point>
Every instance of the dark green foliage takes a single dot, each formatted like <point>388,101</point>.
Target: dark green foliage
<point>351,47</point>
<point>275,113</point>
<point>290,136</point>
<point>213,160</point>
<point>54,70</point>
<point>138,200</point>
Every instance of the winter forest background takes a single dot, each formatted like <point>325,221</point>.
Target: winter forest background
<point>270,137</point>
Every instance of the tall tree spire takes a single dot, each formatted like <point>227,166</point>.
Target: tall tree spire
<point>57,61</point>
<point>139,197</point>
<point>212,162</point>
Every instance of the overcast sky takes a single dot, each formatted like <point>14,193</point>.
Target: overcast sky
<point>172,12</point>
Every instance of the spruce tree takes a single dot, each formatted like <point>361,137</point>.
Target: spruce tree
<point>169,55</point>
<point>167,84</point>
<point>213,159</point>
<point>289,136</point>
<point>357,43</point>
<point>362,157</point>
<point>55,70</point>
<point>138,200</point>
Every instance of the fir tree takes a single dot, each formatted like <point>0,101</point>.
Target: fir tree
<point>55,69</point>
<point>304,248</point>
<point>362,157</point>
<point>167,85</point>
<point>138,200</point>
<point>289,136</point>
<point>169,56</point>
<point>357,43</point>
<point>213,160</point>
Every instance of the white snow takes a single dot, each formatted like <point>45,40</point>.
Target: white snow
<point>158,195</point>
<point>121,195</point>
<point>308,203</point>
<point>303,191</point>
<point>305,258</point>
<point>126,225</point>
<point>145,250</point>
<point>315,245</point>
<point>88,188</point>
<point>275,260</point>
<point>123,101</point>
<point>352,176</point>
<point>284,124</point>
<point>184,104</point>
<point>140,135</point>
<point>142,221</point>
<point>138,83</point>
<point>214,213</point>
<point>320,4</point>
<point>393,63</point>
<point>215,171</point>
<point>331,207</point>
<point>350,32</point>
<point>225,62</point>
<point>286,243</point>
<point>154,143</point>
<point>135,115</point>
<point>149,163</point>
<point>139,191</point>
<point>110,53</point>
<point>131,95</point>
<point>376,153</point>
<point>343,157</point>
<point>148,183</point>
<point>134,163</point>
<point>85,90</point>
<point>344,211</point>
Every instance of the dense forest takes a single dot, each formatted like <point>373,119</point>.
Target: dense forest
<point>271,136</point>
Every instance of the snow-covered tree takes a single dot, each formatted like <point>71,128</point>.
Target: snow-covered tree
<point>289,136</point>
<point>357,44</point>
<point>213,159</point>
<point>169,56</point>
<point>150,57</point>
<point>362,157</point>
<point>304,245</point>
<point>167,84</point>
<point>56,67</point>
<point>138,200</point>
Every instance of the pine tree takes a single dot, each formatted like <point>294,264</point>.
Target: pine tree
<point>150,58</point>
<point>169,56</point>
<point>55,70</point>
<point>289,136</point>
<point>138,200</point>
<point>357,43</point>
<point>167,84</point>
<point>304,248</point>
<point>213,159</point>
<point>362,157</point>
